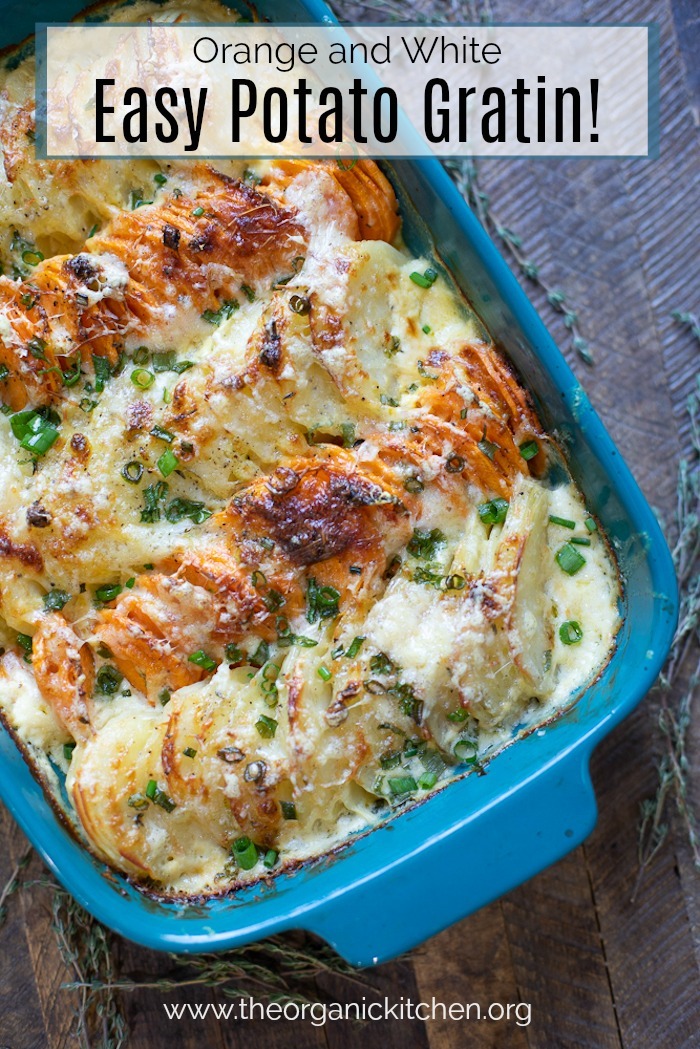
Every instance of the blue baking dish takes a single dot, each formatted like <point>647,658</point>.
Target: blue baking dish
<point>481,835</point>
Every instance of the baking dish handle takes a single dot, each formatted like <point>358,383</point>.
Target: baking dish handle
<point>468,866</point>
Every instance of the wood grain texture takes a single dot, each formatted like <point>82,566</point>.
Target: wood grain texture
<point>600,970</point>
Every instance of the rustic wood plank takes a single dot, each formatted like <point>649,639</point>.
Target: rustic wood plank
<point>21,1020</point>
<point>397,981</point>
<point>559,961</point>
<point>471,963</point>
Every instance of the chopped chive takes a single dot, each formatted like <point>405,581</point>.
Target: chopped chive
<point>165,802</point>
<point>138,801</point>
<point>591,524</point>
<point>457,715</point>
<point>198,212</point>
<point>529,449</point>
<point>493,512</point>
<point>414,485</point>
<point>164,697</point>
<point>248,292</point>
<point>424,280</point>
<point>455,464</point>
<point>321,601</point>
<point>168,462</point>
<point>324,673</point>
<point>129,584</point>
<point>580,540</point>
<point>151,788</point>
<point>142,355</point>
<point>201,659</point>
<point>68,749</point>
<point>160,179</point>
<point>190,752</point>
<point>234,653</point>
<point>427,330</point>
<point>569,559</point>
<point>289,810</point>
<point>402,784</point>
<point>563,521</point>
<point>245,853</point>
<point>570,632</point>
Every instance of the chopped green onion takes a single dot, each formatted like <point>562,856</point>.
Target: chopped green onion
<point>32,257</point>
<point>266,726</point>
<point>261,655</point>
<point>245,853</point>
<point>569,559</point>
<point>427,780</point>
<point>103,373</point>
<point>591,524</point>
<point>137,200</point>
<point>226,310</point>
<point>425,544</point>
<point>201,659</point>
<point>529,449</point>
<point>178,509</point>
<point>162,434</point>
<point>159,797</point>
<point>129,584</point>
<point>580,540</point>
<point>108,680</point>
<point>234,653</point>
<point>273,600</point>
<point>300,304</point>
<point>190,752</point>
<point>198,212</point>
<point>355,647</point>
<point>457,715</point>
<point>570,632</point>
<point>151,788</point>
<point>487,447</point>
<point>427,330</point>
<point>25,643</point>
<point>164,697</point>
<point>55,600</point>
<point>563,521</point>
<point>289,810</point>
<point>455,464</point>
<point>402,784</point>
<point>138,801</point>
<point>168,462</point>
<point>270,859</point>
<point>455,582</point>
<point>68,749</point>
<point>108,592</point>
<point>142,378</point>
<point>321,601</point>
<point>414,485</point>
<point>324,673</point>
<point>390,760</point>
<point>160,179</point>
<point>493,512</point>
<point>465,750</point>
<point>153,496</point>
<point>248,292</point>
<point>133,471</point>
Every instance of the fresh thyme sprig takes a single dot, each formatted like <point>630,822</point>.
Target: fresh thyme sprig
<point>13,883</point>
<point>683,666</point>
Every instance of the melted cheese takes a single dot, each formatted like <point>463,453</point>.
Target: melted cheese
<point>276,451</point>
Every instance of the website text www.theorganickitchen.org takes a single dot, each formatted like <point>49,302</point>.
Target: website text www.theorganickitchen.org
<point>320,1013</point>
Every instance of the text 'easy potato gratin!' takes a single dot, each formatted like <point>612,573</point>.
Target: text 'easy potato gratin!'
<point>280,547</point>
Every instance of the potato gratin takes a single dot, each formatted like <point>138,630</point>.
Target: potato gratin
<point>283,545</point>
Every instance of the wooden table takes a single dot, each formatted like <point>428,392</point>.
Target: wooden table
<point>600,971</point>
